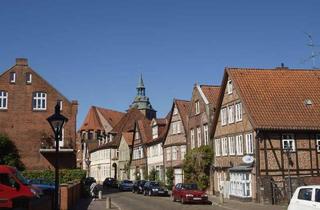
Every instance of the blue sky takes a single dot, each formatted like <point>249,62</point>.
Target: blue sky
<point>93,51</point>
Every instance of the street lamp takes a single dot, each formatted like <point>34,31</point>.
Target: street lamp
<point>56,122</point>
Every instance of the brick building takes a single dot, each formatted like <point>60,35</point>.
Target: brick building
<point>26,101</point>
<point>268,125</point>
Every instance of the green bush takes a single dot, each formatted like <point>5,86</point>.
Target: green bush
<point>196,166</point>
<point>170,177</point>
<point>152,175</point>
<point>65,175</point>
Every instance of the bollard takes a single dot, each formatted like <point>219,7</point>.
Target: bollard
<point>221,195</point>
<point>108,203</point>
<point>100,195</point>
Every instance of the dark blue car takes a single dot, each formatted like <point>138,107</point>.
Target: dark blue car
<point>126,185</point>
<point>45,186</point>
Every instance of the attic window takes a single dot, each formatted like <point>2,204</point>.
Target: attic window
<point>28,78</point>
<point>175,111</point>
<point>154,132</point>
<point>229,87</point>
<point>308,102</point>
<point>12,77</point>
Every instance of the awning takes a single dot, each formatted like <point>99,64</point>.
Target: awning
<point>241,168</point>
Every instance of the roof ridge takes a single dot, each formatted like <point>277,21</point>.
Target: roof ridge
<point>269,69</point>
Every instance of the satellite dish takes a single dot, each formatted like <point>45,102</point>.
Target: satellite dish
<point>248,159</point>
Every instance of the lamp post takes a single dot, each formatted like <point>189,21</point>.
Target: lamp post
<point>56,122</point>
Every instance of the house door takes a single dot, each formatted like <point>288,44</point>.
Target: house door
<point>178,176</point>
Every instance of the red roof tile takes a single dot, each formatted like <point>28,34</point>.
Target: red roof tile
<point>128,136</point>
<point>211,92</point>
<point>183,108</point>
<point>92,121</point>
<point>276,98</point>
<point>112,116</point>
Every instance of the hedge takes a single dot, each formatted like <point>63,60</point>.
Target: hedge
<point>65,175</point>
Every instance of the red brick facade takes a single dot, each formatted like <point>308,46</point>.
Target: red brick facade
<point>28,128</point>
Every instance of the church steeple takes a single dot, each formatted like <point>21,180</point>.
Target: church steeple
<point>141,101</point>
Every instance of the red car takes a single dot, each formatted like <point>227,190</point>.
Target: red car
<point>15,190</point>
<point>189,193</point>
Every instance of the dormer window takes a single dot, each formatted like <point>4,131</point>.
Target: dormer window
<point>28,78</point>
<point>229,87</point>
<point>12,77</point>
<point>154,131</point>
<point>197,105</point>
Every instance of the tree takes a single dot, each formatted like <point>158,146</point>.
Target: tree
<point>196,166</point>
<point>9,153</point>
<point>153,175</point>
<point>170,177</point>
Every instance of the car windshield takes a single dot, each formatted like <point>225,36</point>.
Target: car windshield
<point>21,178</point>
<point>127,181</point>
<point>190,186</point>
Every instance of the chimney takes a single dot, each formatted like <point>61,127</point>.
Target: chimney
<point>21,62</point>
<point>282,66</point>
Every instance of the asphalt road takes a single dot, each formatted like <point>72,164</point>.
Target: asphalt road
<point>131,201</point>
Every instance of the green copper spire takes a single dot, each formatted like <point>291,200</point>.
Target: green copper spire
<point>141,101</point>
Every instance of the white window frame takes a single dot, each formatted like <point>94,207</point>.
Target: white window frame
<point>249,143</point>
<point>318,142</point>
<point>239,145</point>
<point>193,145</point>
<point>28,78</point>
<point>288,138</point>
<point>61,104</point>
<point>230,114</point>
<point>232,145</point>
<point>168,153</point>
<point>174,153</point>
<point>206,134</point>
<point>3,100</point>
<point>12,76</point>
<point>175,110</point>
<point>224,144</point>
<point>229,87</point>
<point>197,106</point>
<point>183,151</point>
<point>224,117</point>
<point>174,128</point>
<point>154,131</point>
<point>40,99</point>
<point>240,184</point>
<point>199,139</point>
<point>218,147</point>
<point>178,127</point>
<point>238,108</point>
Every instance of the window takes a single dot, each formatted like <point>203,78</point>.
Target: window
<point>174,153</point>
<point>3,99</point>
<point>317,196</point>
<point>206,134</point>
<point>28,78</point>
<point>154,131</point>
<point>240,184</point>
<point>183,151</point>
<point>39,101</point>
<point>138,153</point>
<point>192,139</point>
<point>224,143</point>
<point>305,194</point>
<point>239,145</point>
<point>288,142</point>
<point>168,153</point>
<point>175,111</point>
<point>199,136</point>
<point>317,138</point>
<point>231,114</point>
<point>137,136</point>
<point>249,143</point>
<point>229,87</point>
<point>197,105</point>
<point>12,77</point>
<point>232,145</point>
<point>60,103</point>
<point>223,116</point>
<point>218,147</point>
<point>178,126</point>
<point>238,112</point>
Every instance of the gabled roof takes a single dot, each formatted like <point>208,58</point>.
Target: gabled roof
<point>93,121</point>
<point>162,129</point>
<point>211,93</point>
<point>128,137</point>
<point>144,127</point>
<point>276,98</point>
<point>183,108</point>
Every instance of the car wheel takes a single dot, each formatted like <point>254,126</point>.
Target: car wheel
<point>150,193</point>
<point>183,201</point>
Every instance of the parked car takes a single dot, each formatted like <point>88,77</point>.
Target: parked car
<point>126,185</point>
<point>45,186</point>
<point>15,191</point>
<point>89,180</point>
<point>110,182</point>
<point>189,193</point>
<point>306,198</point>
<point>138,186</point>
<point>153,188</point>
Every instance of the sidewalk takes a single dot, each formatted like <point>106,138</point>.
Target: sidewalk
<point>89,204</point>
<point>233,204</point>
